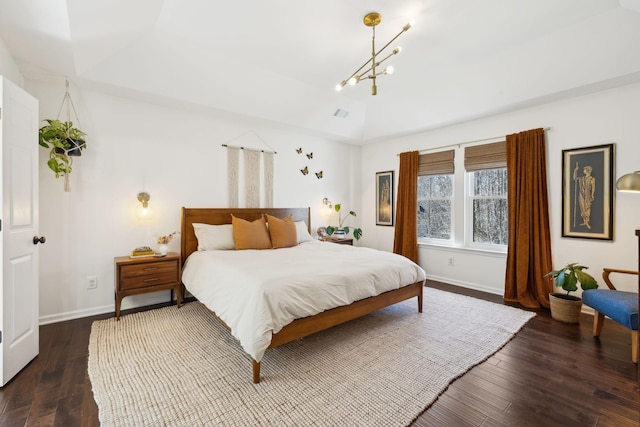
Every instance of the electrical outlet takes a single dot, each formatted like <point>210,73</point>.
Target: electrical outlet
<point>451,261</point>
<point>92,282</point>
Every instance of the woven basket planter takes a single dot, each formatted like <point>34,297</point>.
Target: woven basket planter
<point>565,308</point>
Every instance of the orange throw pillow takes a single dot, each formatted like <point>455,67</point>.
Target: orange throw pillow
<point>283,232</point>
<point>250,235</point>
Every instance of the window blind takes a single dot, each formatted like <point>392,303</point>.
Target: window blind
<point>485,156</point>
<point>440,163</point>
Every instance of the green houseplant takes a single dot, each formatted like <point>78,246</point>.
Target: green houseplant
<point>341,228</point>
<point>566,307</point>
<point>63,141</point>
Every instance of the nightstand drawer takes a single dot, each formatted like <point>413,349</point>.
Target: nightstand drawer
<point>135,276</point>
<point>156,268</point>
<point>149,279</point>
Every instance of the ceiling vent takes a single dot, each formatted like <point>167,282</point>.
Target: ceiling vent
<point>341,113</point>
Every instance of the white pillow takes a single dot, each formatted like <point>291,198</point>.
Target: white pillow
<point>214,237</point>
<point>303,232</point>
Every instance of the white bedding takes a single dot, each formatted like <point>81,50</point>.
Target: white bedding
<point>258,292</point>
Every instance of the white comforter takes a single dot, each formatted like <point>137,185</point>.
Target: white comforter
<point>258,292</point>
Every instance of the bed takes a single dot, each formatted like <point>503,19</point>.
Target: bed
<point>208,274</point>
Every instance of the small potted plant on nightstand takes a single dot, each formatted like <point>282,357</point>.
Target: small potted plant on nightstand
<point>565,307</point>
<point>341,230</point>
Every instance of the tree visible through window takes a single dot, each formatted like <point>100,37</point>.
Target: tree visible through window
<point>435,197</point>
<point>488,198</point>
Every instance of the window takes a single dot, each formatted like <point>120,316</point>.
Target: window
<point>435,196</point>
<point>435,202</point>
<point>487,201</point>
<point>477,220</point>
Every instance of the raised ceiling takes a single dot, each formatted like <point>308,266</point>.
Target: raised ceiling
<point>280,60</point>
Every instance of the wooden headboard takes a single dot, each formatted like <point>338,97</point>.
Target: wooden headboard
<point>217,216</point>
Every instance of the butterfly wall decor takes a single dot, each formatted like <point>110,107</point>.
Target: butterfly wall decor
<point>305,171</point>
<point>319,175</point>
<point>310,156</point>
<point>299,150</point>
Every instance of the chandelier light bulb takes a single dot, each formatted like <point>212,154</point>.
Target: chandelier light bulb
<point>397,50</point>
<point>409,25</point>
<point>353,81</point>
<point>338,88</point>
<point>389,70</point>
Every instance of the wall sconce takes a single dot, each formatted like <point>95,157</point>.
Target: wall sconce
<point>144,211</point>
<point>328,206</point>
<point>629,182</point>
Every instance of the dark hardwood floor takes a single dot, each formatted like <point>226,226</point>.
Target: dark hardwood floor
<point>550,374</point>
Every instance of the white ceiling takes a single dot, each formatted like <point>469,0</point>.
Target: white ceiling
<point>280,60</point>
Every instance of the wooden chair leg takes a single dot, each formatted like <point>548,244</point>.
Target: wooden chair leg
<point>634,346</point>
<point>598,321</point>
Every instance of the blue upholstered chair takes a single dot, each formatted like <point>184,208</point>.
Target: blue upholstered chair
<point>617,305</point>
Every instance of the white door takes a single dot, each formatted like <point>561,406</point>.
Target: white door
<point>19,171</point>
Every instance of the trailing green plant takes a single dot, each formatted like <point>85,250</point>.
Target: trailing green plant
<point>63,140</point>
<point>357,232</point>
<point>570,275</point>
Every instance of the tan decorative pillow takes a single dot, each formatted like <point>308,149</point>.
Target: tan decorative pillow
<point>250,235</point>
<point>283,232</point>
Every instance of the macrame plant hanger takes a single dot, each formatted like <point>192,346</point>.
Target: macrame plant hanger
<point>68,102</point>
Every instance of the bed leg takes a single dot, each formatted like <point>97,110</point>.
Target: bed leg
<point>256,371</point>
<point>420,302</point>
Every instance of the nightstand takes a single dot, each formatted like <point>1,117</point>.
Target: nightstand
<point>135,276</point>
<point>340,241</point>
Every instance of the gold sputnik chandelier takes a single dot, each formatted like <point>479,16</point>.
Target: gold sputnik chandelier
<point>371,20</point>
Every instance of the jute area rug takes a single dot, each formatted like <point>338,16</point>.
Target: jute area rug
<point>180,367</point>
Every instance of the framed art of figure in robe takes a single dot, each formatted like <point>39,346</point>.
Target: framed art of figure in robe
<point>587,192</point>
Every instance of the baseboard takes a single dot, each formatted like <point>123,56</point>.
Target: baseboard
<point>145,300</point>
<point>127,303</point>
<point>467,285</point>
<point>585,309</point>
<point>76,314</point>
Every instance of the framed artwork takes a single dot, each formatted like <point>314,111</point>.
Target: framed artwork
<point>587,192</point>
<point>384,198</point>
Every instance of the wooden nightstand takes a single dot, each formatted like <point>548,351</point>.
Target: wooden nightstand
<point>344,241</point>
<point>150,274</point>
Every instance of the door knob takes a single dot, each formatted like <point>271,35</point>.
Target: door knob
<point>37,240</point>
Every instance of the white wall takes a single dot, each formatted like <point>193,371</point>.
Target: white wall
<point>8,67</point>
<point>605,117</point>
<point>177,157</point>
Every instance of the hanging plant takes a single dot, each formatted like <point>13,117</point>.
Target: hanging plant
<point>63,140</point>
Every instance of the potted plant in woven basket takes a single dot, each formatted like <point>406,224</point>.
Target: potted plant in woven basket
<point>565,307</point>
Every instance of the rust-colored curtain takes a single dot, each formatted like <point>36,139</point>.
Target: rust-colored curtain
<point>529,250</point>
<point>405,240</point>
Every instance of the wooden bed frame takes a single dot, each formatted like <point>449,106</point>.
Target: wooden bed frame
<point>308,325</point>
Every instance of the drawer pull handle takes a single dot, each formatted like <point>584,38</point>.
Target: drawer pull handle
<point>151,280</point>
<point>150,268</point>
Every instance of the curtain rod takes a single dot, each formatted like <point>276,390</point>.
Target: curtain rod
<point>249,149</point>
<point>458,144</point>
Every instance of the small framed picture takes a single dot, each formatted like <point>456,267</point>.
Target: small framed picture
<point>587,192</point>
<point>384,198</point>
